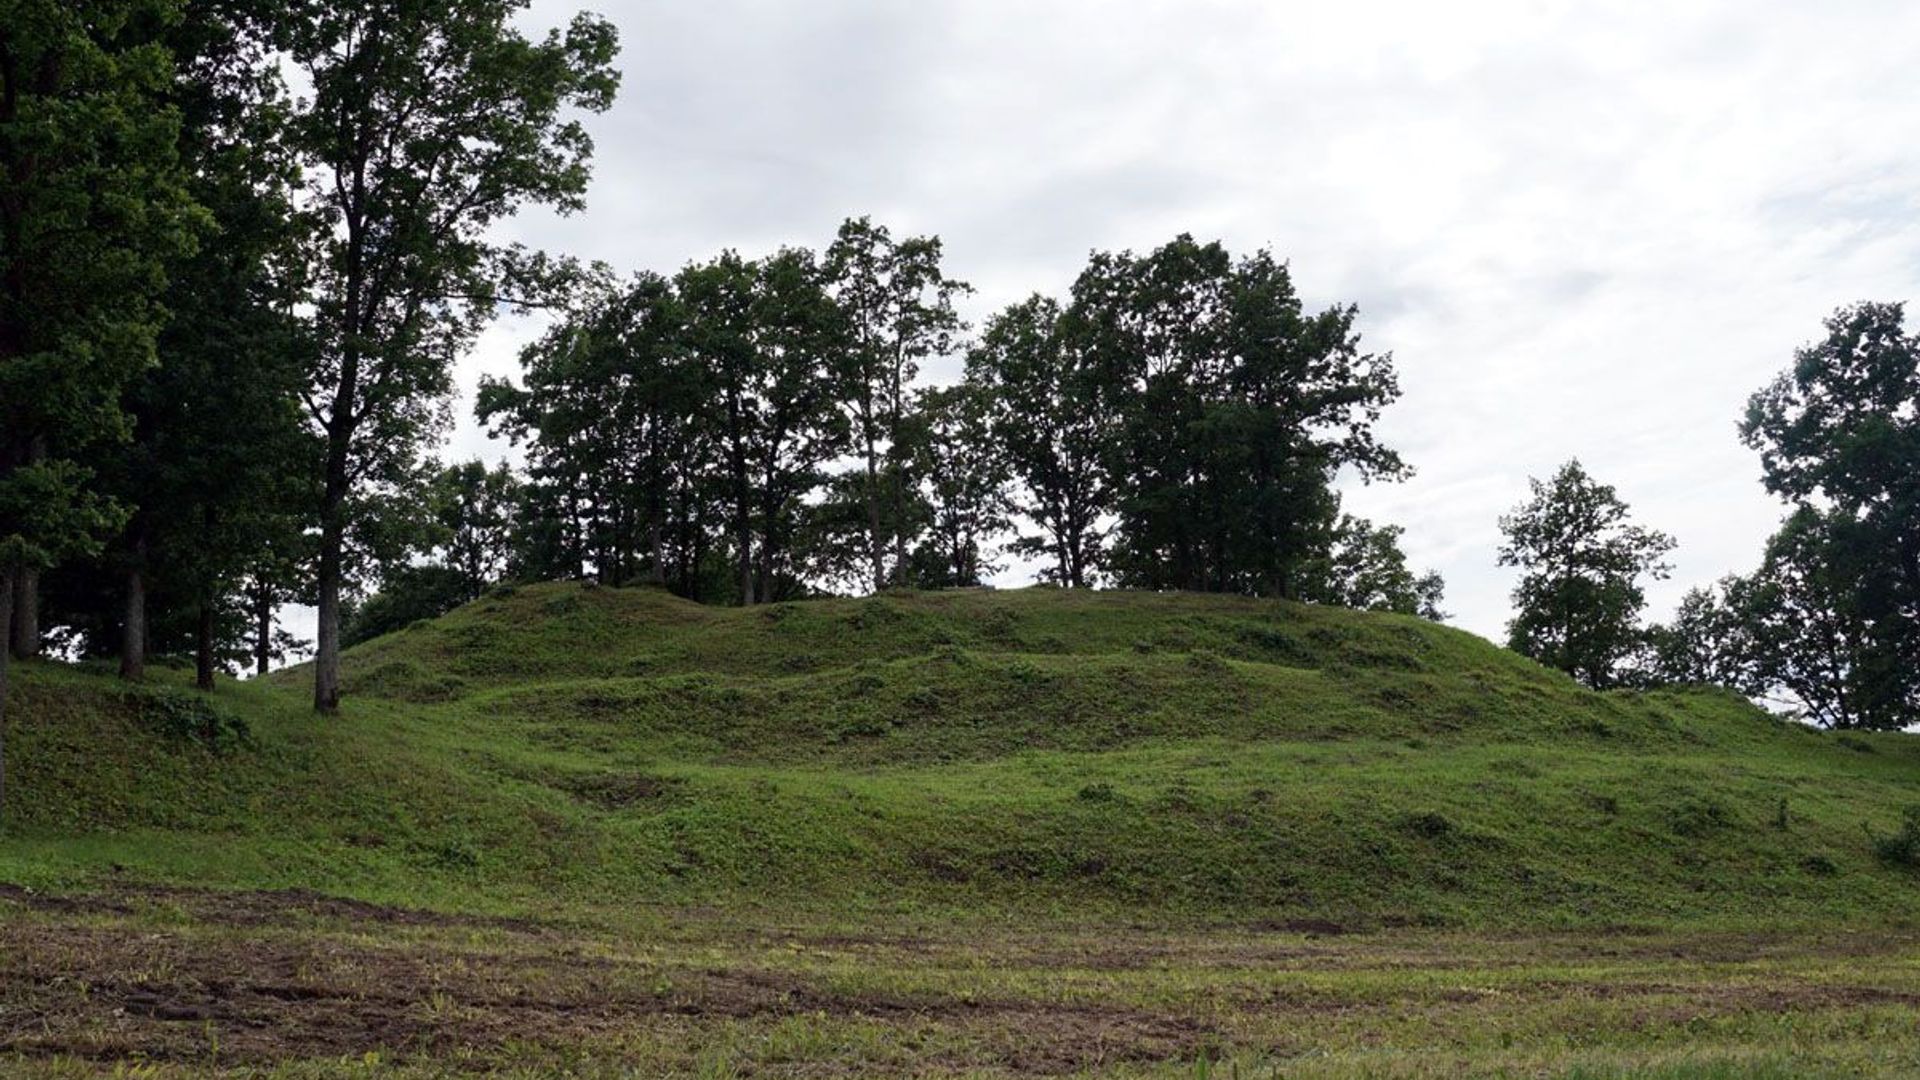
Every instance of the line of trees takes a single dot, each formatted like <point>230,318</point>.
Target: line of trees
<point>1829,623</point>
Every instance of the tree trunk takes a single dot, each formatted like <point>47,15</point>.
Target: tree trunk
<point>262,629</point>
<point>24,625</point>
<point>133,626</point>
<point>326,658</point>
<point>203,646</point>
<point>7,571</point>
<point>333,534</point>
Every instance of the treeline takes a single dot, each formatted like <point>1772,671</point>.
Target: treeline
<point>755,430</point>
<point>1828,625</point>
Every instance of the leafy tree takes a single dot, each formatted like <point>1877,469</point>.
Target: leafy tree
<point>1364,568</point>
<point>218,445</point>
<point>407,595</point>
<point>949,441</point>
<point>428,122</point>
<point>1809,623</point>
<point>1580,596</point>
<point>1236,410</point>
<point>612,414</point>
<point>1839,438</point>
<point>1051,422</point>
<point>899,310</point>
<point>92,207</point>
<point>1708,642</point>
<point>474,508</point>
<point>768,334</point>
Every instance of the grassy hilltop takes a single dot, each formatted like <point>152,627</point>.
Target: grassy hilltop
<point>1037,752</point>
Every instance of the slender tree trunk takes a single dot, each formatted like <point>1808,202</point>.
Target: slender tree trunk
<point>133,625</point>
<point>23,627</point>
<point>203,645</point>
<point>262,629</point>
<point>326,659</point>
<point>7,573</point>
<point>876,551</point>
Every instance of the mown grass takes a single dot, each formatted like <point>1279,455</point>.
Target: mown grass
<point>1033,753</point>
<point>961,834</point>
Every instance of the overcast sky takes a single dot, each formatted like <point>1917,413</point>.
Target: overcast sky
<point>1582,229</point>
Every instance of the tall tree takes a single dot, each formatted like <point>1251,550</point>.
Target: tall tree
<point>1580,596</point>
<point>92,207</point>
<point>768,334</point>
<point>1237,408</point>
<point>964,478</point>
<point>1839,439</point>
<point>218,441</point>
<point>1052,421</point>
<point>899,309</point>
<point>428,122</point>
<point>611,409</point>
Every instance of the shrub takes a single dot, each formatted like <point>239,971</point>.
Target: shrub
<point>1101,792</point>
<point>1430,825</point>
<point>178,714</point>
<point>1902,847</point>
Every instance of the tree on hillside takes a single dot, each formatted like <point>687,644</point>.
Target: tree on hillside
<point>1708,641</point>
<point>611,411</point>
<point>1579,599</point>
<point>1236,410</point>
<point>1051,422</point>
<point>767,334</point>
<point>964,476</point>
<point>1363,567</point>
<point>219,449</point>
<point>1809,623</point>
<point>428,122</point>
<point>898,305</point>
<point>92,207</point>
<point>1839,438</point>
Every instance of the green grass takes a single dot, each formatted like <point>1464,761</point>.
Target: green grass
<point>994,754</point>
<point>971,834</point>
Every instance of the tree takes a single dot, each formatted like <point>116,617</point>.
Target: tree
<point>1579,599</point>
<point>964,477</point>
<point>218,443</point>
<point>428,122</point>
<point>1050,420</point>
<point>1839,439</point>
<point>1708,642</point>
<point>611,410</point>
<point>1809,623</point>
<point>474,509</point>
<point>767,333</point>
<point>1364,568</point>
<point>899,310</point>
<point>92,207</point>
<point>1235,409</point>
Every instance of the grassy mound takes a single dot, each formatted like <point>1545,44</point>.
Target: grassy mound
<point>994,753</point>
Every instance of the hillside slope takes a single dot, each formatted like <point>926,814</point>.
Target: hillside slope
<point>994,753</point>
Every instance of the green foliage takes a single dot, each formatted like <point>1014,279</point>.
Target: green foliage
<point>1363,568</point>
<point>1901,847</point>
<point>1579,599</point>
<point>1836,606</point>
<point>427,125</point>
<point>180,714</point>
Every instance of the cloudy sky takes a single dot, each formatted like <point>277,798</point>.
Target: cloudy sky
<point>1582,229</point>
